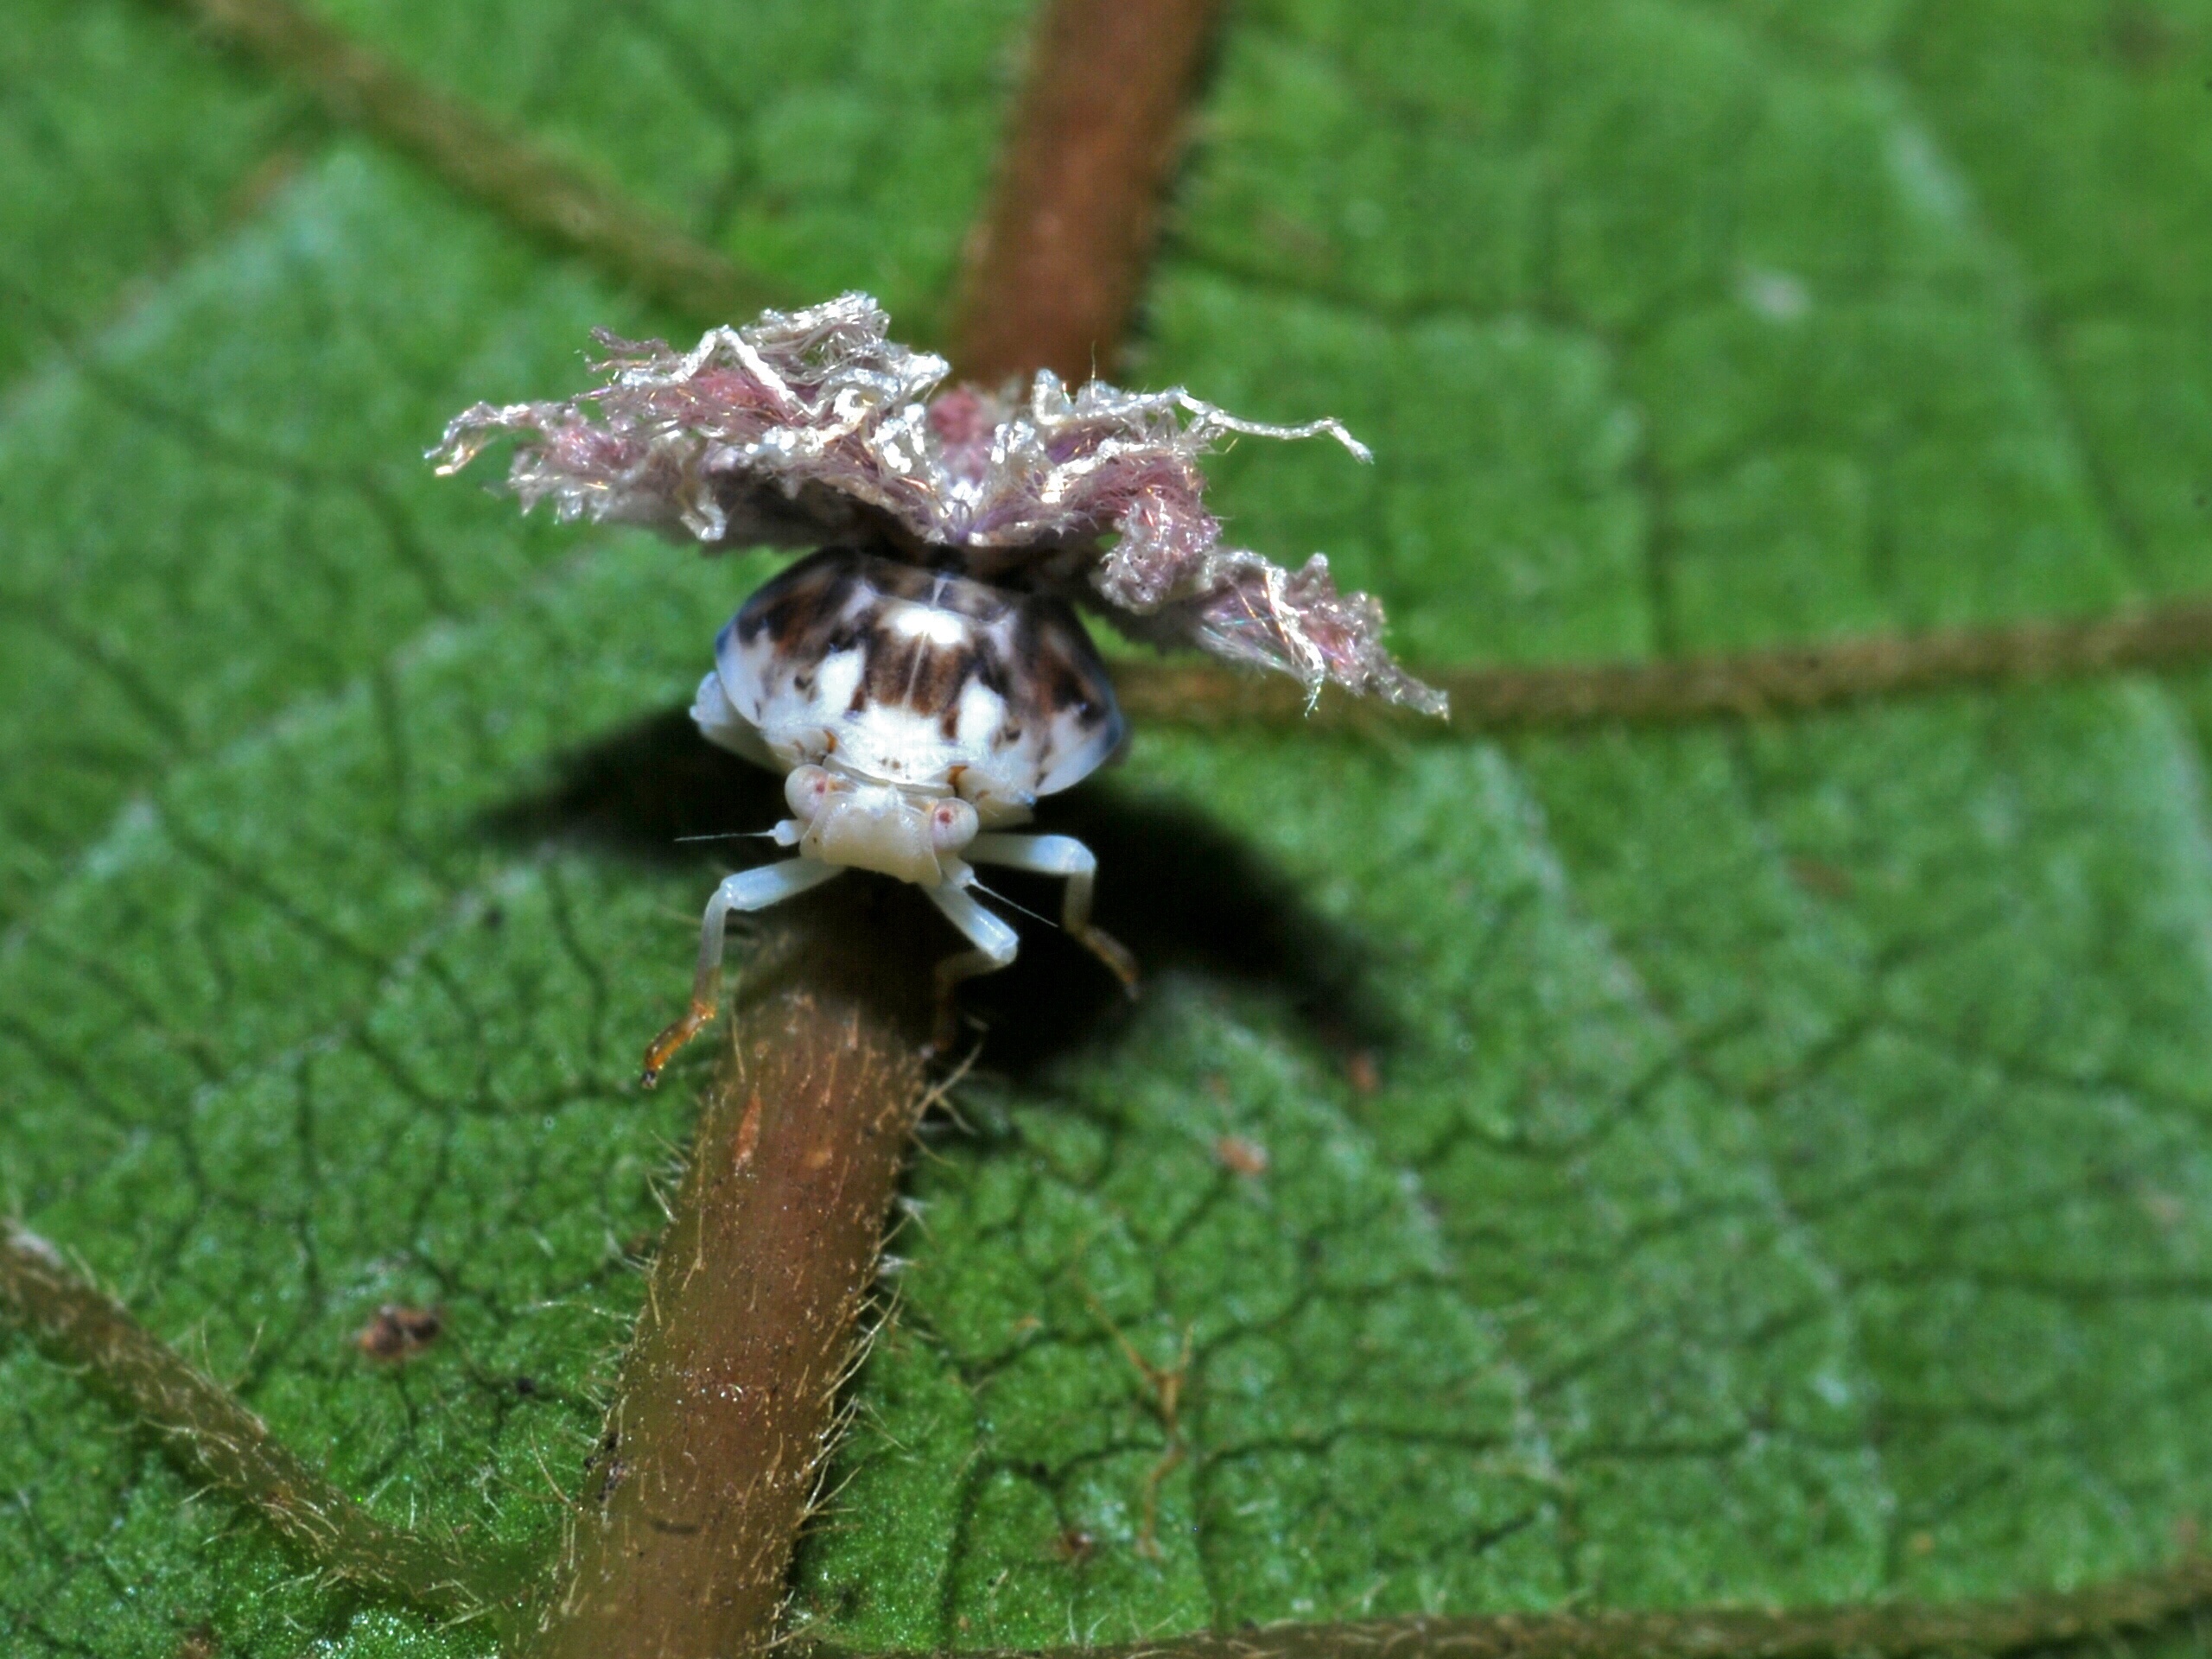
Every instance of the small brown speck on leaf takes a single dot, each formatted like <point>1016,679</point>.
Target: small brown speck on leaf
<point>1360,1071</point>
<point>1240,1156</point>
<point>1824,879</point>
<point>197,1644</point>
<point>1074,1545</point>
<point>399,1333</point>
<point>1922,1543</point>
<point>2138,36</point>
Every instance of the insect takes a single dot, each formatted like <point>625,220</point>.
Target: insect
<point>916,715</point>
<point>923,678</point>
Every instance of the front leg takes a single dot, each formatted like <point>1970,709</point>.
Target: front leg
<point>753,889</point>
<point>1061,855</point>
<point>996,943</point>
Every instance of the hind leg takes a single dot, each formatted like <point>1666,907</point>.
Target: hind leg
<point>995,944</point>
<point>753,889</point>
<point>1061,855</point>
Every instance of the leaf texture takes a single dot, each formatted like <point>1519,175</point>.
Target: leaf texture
<point>1763,1163</point>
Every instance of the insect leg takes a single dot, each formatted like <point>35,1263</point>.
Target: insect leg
<point>752,889</point>
<point>996,943</point>
<point>1061,855</point>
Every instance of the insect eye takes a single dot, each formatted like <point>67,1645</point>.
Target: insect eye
<point>952,824</point>
<point>805,789</point>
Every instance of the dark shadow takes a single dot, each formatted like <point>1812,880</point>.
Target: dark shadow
<point>634,793</point>
<point>1176,887</point>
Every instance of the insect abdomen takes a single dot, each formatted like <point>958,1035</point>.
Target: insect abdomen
<point>920,677</point>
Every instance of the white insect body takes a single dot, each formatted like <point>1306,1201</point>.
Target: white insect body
<point>916,713</point>
<point>918,703</point>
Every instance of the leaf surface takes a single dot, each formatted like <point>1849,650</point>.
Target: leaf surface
<point>1762,1163</point>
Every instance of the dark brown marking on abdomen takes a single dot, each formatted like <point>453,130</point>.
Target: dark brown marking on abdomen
<point>1028,650</point>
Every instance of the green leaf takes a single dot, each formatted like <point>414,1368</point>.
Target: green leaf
<point>1763,1163</point>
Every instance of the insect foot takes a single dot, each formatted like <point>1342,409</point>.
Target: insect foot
<point>923,679</point>
<point>663,1048</point>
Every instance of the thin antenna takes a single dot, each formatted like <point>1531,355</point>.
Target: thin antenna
<point>977,887</point>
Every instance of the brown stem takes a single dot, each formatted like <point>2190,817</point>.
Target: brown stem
<point>727,1404</point>
<point>217,1441</point>
<point>515,179</point>
<point>2118,1607</point>
<point>1054,269</point>
<point>1787,679</point>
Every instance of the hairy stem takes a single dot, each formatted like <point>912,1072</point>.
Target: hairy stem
<point>727,1401</point>
<point>216,1441</point>
<point>2116,1608</point>
<point>522,183</point>
<point>727,1406</point>
<point>1786,679</point>
<point>1056,265</point>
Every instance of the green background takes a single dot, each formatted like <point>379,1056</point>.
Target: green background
<point>1769,1162</point>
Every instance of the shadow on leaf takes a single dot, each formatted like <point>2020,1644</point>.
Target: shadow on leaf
<point>1177,888</point>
